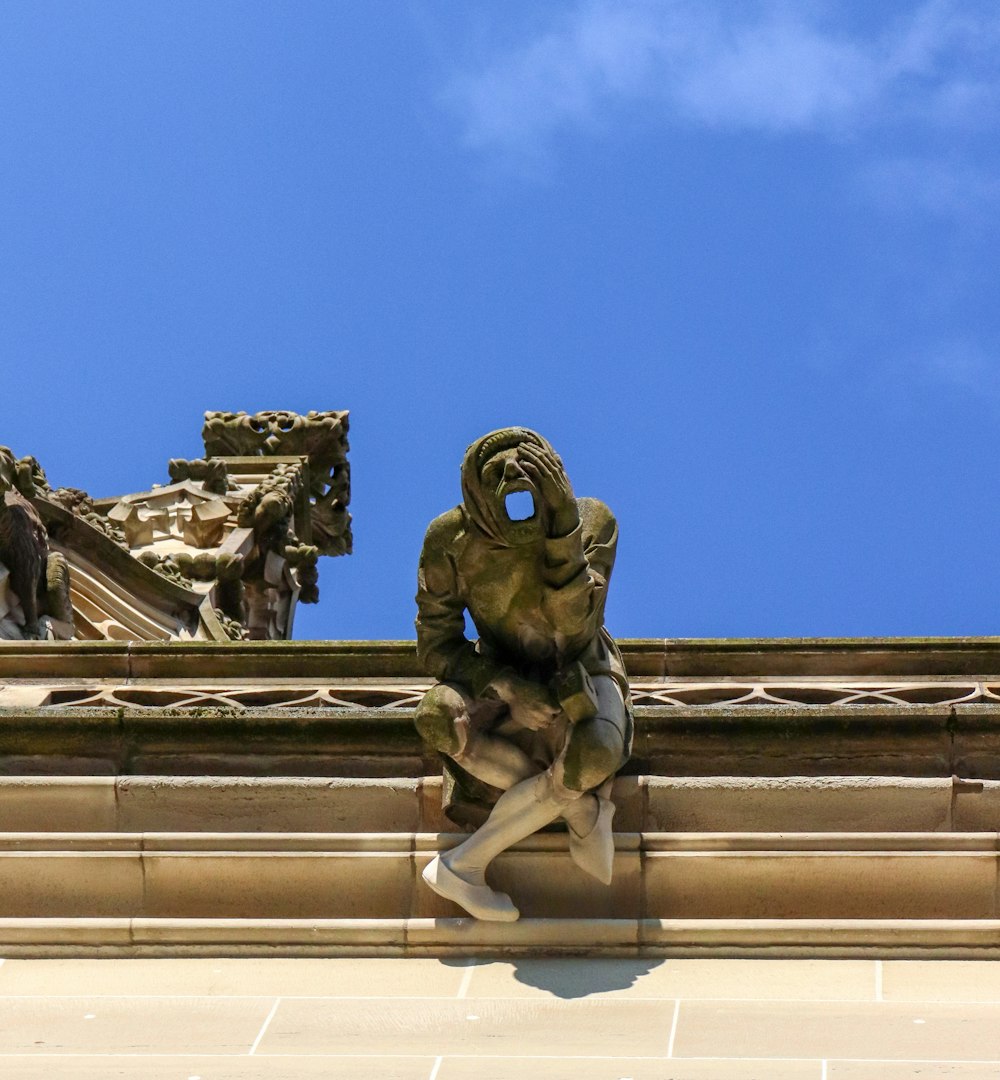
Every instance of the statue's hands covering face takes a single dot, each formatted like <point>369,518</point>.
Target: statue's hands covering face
<point>532,705</point>
<point>545,469</point>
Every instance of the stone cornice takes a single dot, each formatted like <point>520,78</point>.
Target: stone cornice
<point>975,658</point>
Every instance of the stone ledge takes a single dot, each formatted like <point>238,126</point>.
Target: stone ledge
<point>821,876</point>
<point>288,843</point>
<point>697,804</point>
<point>650,657</point>
<point>890,939</point>
<point>751,740</point>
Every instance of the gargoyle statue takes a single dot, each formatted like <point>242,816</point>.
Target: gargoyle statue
<point>538,708</point>
<point>39,578</point>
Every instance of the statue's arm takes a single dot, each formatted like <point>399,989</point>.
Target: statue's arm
<point>577,570</point>
<point>442,647</point>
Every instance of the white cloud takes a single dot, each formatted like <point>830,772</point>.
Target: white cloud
<point>769,66</point>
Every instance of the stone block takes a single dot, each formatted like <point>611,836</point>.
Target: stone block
<point>941,981</point>
<point>976,806</point>
<point>907,1070</point>
<point>265,804</point>
<point>977,741</point>
<point>790,803</point>
<point>228,885</point>
<point>800,740</point>
<point>631,1068</point>
<point>68,1026</point>
<point>849,1030</point>
<point>629,798</point>
<point>264,937</point>
<point>820,885</point>
<point>495,1028</point>
<point>432,819</point>
<point>80,884</point>
<point>184,1062</point>
<point>62,936</point>
<point>57,804</point>
<point>37,741</point>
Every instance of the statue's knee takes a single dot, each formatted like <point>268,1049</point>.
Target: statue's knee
<point>595,752</point>
<point>435,717</point>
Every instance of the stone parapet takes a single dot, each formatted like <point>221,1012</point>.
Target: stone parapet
<point>785,798</point>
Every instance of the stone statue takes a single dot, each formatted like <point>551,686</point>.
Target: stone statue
<point>39,579</point>
<point>537,708</point>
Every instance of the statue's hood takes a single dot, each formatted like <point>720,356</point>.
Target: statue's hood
<point>482,507</point>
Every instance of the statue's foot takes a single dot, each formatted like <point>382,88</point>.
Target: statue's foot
<point>594,852</point>
<point>480,901</point>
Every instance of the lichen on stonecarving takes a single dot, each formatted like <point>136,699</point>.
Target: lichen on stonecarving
<point>234,629</point>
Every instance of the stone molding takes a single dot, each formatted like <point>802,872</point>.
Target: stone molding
<point>746,661</point>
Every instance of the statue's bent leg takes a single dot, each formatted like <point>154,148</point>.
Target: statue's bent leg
<point>594,752</point>
<point>522,810</point>
<point>444,720</point>
<point>595,748</point>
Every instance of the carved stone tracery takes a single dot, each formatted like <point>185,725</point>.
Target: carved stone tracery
<point>685,696</point>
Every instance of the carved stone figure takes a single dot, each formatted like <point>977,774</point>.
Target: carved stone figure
<point>538,707</point>
<point>39,580</point>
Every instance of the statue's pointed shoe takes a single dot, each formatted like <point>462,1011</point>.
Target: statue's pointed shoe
<point>480,901</point>
<point>595,852</point>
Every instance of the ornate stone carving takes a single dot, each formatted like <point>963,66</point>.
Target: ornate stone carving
<point>213,475</point>
<point>184,513</point>
<point>167,565</point>
<point>319,436</point>
<point>82,505</point>
<point>233,541</point>
<point>303,558</point>
<point>234,628</point>
<point>268,509</point>
<point>536,714</point>
<point>30,480</point>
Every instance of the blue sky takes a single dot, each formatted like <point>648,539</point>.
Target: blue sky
<point>738,261</point>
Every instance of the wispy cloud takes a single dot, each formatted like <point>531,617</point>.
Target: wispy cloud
<point>775,67</point>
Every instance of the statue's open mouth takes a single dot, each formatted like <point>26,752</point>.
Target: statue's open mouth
<point>520,505</point>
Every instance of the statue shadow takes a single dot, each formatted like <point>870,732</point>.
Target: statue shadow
<point>568,977</point>
<point>571,977</point>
